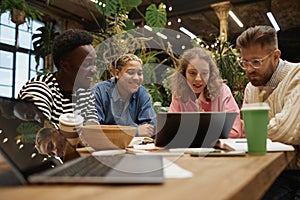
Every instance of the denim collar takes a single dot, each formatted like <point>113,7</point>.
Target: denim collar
<point>115,95</point>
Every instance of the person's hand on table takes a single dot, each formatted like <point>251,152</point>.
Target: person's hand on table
<point>145,130</point>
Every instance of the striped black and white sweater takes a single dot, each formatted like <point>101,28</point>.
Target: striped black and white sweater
<point>51,100</point>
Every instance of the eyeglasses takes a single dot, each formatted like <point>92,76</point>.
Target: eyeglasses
<point>255,63</point>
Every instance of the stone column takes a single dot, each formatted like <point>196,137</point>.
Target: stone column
<point>222,10</point>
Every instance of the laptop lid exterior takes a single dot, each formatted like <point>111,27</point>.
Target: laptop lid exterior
<point>192,129</point>
<point>17,147</point>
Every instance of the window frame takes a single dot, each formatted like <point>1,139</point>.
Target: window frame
<point>16,51</point>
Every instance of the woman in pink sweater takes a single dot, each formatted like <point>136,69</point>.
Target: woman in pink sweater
<point>198,87</point>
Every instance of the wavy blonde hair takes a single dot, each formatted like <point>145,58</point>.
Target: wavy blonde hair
<point>179,85</point>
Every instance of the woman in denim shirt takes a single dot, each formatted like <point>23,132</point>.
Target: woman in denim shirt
<point>122,100</point>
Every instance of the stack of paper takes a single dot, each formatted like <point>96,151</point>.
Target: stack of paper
<point>241,145</point>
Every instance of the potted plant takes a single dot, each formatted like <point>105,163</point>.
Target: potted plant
<point>19,11</point>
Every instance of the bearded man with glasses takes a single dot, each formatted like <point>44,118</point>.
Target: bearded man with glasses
<point>281,80</point>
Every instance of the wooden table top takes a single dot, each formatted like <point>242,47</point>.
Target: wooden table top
<point>245,177</point>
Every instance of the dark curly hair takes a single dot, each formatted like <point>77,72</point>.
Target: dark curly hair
<point>68,41</point>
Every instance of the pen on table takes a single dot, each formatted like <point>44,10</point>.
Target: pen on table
<point>240,141</point>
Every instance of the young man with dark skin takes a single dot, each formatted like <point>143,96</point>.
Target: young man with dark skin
<point>281,81</point>
<point>68,89</point>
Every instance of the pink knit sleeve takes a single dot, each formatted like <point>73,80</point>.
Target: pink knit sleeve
<point>175,105</point>
<point>228,104</point>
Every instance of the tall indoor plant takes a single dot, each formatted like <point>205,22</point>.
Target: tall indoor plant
<point>118,23</point>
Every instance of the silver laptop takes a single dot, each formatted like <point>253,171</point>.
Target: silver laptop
<point>192,129</point>
<point>17,147</point>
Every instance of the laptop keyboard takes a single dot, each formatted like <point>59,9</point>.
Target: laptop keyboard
<point>90,166</point>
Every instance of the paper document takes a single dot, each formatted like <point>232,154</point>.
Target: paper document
<point>152,150</point>
<point>241,145</point>
<point>172,170</point>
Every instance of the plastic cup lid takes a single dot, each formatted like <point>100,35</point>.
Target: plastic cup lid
<point>255,106</point>
<point>71,119</point>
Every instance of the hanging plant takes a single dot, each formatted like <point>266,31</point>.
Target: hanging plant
<point>19,11</point>
<point>18,16</point>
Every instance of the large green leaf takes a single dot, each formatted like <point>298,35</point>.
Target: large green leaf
<point>111,7</point>
<point>43,41</point>
<point>117,6</point>
<point>129,24</point>
<point>156,17</point>
<point>129,4</point>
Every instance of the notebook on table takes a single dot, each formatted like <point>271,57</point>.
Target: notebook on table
<point>17,147</point>
<point>192,129</point>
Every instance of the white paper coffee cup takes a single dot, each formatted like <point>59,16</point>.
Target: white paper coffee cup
<point>70,126</point>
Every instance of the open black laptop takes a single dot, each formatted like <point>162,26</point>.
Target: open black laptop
<point>17,147</point>
<point>192,129</point>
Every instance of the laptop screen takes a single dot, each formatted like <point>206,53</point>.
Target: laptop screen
<point>192,129</point>
<point>19,123</point>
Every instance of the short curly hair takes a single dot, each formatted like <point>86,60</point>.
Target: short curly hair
<point>122,60</point>
<point>67,42</point>
<point>179,85</point>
